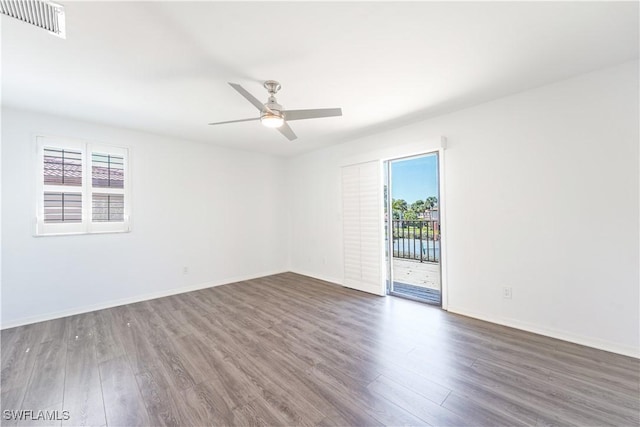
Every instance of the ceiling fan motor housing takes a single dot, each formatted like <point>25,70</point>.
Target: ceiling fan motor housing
<point>273,105</point>
<point>271,115</point>
<point>272,86</point>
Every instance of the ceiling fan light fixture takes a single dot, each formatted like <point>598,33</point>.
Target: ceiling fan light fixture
<point>272,120</point>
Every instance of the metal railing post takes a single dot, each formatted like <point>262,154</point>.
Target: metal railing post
<point>433,235</point>
<point>421,250</point>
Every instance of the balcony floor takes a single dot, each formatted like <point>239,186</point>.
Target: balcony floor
<point>415,279</point>
<point>422,274</point>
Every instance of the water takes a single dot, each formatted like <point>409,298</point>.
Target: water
<point>404,248</point>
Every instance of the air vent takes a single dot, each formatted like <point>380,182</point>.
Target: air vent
<point>41,13</point>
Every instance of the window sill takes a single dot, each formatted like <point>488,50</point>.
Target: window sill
<point>81,233</point>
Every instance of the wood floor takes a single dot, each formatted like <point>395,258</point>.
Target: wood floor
<point>290,350</point>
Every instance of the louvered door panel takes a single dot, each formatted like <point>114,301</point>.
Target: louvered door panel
<point>362,222</point>
<point>351,213</point>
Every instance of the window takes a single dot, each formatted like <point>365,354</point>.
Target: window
<point>82,187</point>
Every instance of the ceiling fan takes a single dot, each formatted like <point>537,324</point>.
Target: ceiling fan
<point>272,114</point>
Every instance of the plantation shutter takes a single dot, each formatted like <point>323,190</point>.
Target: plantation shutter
<point>60,193</point>
<point>109,198</point>
<point>362,227</point>
<point>81,187</point>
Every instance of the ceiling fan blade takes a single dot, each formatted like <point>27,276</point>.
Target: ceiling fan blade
<point>287,131</point>
<point>235,121</point>
<point>312,114</point>
<point>252,99</point>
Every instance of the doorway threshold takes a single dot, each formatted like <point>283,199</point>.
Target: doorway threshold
<point>428,295</point>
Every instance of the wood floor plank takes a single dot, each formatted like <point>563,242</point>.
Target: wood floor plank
<point>425,409</point>
<point>55,329</point>
<point>486,390</point>
<point>11,400</point>
<point>525,353</point>
<point>163,401</point>
<point>7,338</point>
<point>172,361</point>
<point>619,401</point>
<point>131,335</point>
<point>208,404</point>
<point>299,401</point>
<point>108,345</point>
<point>80,326</point>
<point>569,405</point>
<point>82,386</point>
<point>20,347</point>
<point>123,403</point>
<point>292,350</point>
<point>354,393</point>
<point>46,383</point>
<point>216,367</point>
<point>161,312</point>
<point>275,386</point>
<point>257,413</point>
<point>336,397</point>
<point>484,415</point>
<point>417,383</point>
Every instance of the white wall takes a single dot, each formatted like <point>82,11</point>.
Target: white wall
<point>217,211</point>
<point>542,195</point>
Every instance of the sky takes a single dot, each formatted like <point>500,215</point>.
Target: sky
<point>414,179</point>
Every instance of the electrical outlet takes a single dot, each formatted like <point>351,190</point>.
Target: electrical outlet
<point>185,270</point>
<point>506,292</point>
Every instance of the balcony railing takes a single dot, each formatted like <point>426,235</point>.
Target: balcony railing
<point>416,239</point>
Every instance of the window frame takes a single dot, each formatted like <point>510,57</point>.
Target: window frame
<point>86,225</point>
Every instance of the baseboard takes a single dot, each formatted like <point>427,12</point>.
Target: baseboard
<point>512,323</point>
<point>331,280</point>
<point>131,300</point>
<point>553,333</point>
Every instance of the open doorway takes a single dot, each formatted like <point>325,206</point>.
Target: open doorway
<point>412,228</point>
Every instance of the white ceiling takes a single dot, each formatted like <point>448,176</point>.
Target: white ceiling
<point>163,66</point>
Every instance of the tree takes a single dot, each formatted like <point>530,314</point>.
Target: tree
<point>399,207</point>
<point>410,215</point>
<point>431,202</point>
<point>418,206</point>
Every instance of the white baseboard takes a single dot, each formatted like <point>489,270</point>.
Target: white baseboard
<point>331,280</point>
<point>131,300</point>
<point>553,333</point>
<point>513,323</point>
